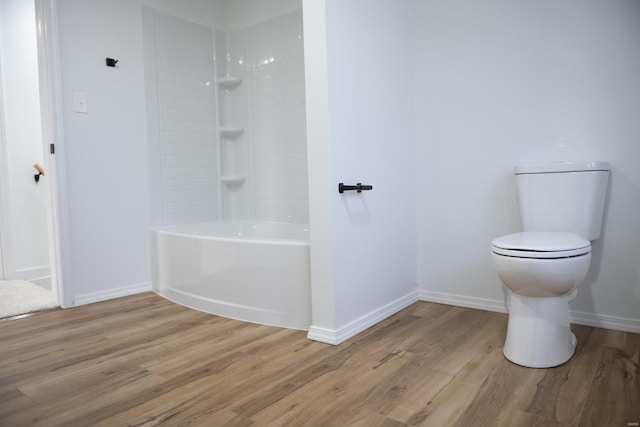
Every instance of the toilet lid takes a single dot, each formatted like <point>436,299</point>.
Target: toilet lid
<point>538,244</point>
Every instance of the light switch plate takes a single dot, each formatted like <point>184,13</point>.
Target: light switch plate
<point>80,102</point>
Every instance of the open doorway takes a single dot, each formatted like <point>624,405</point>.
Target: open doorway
<point>25,261</point>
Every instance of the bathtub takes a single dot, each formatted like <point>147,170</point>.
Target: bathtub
<point>256,272</point>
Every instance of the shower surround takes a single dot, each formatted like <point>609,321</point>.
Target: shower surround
<point>227,133</point>
<point>227,120</point>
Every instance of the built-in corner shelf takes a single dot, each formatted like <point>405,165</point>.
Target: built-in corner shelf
<point>228,82</point>
<point>230,132</point>
<point>233,179</point>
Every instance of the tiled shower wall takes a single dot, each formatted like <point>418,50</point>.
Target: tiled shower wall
<point>274,71</point>
<point>269,105</point>
<point>186,120</point>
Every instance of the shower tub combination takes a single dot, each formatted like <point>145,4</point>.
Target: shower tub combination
<point>255,272</point>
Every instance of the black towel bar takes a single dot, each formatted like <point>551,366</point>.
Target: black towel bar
<point>358,187</point>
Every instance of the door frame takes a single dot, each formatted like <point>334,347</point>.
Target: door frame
<point>51,107</point>
<point>4,190</point>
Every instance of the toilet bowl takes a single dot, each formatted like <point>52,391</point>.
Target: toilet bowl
<point>541,264</point>
<point>542,271</point>
<point>561,210</point>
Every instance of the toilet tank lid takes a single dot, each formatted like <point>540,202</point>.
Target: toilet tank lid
<point>541,241</point>
<point>552,167</point>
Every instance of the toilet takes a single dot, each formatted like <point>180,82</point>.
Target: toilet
<point>561,208</point>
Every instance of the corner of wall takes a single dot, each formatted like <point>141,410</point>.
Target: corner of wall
<point>339,335</point>
<point>100,296</point>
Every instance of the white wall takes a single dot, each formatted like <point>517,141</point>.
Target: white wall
<point>500,83</point>
<point>360,129</point>
<point>24,213</point>
<point>112,200</point>
<point>497,83</point>
<point>106,149</point>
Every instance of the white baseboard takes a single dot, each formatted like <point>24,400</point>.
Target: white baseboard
<point>606,322</point>
<point>327,336</point>
<point>40,276</point>
<point>463,301</point>
<point>335,337</point>
<point>33,273</point>
<point>579,318</point>
<point>111,294</point>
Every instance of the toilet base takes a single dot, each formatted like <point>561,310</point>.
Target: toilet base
<point>538,334</point>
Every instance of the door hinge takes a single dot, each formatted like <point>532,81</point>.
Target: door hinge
<point>52,148</point>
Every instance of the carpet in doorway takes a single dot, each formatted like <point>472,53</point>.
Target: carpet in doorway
<point>20,297</point>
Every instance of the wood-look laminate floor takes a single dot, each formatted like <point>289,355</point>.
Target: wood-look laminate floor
<point>142,360</point>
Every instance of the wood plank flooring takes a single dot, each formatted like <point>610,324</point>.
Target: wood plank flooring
<point>142,361</point>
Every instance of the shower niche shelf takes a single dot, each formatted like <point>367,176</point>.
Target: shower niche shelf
<point>233,179</point>
<point>230,132</point>
<point>228,82</point>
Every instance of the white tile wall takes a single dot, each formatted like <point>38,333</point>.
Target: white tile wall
<point>187,120</point>
<point>273,68</point>
<point>269,106</point>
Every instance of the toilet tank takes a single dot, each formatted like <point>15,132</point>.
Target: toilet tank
<point>563,196</point>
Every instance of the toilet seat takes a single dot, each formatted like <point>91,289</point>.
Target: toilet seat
<point>541,245</point>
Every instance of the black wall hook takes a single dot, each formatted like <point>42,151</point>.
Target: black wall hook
<point>111,62</point>
<point>37,176</point>
<point>358,187</point>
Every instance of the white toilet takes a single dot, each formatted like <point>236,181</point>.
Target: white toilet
<point>561,207</point>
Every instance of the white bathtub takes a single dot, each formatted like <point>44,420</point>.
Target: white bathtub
<point>256,272</point>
